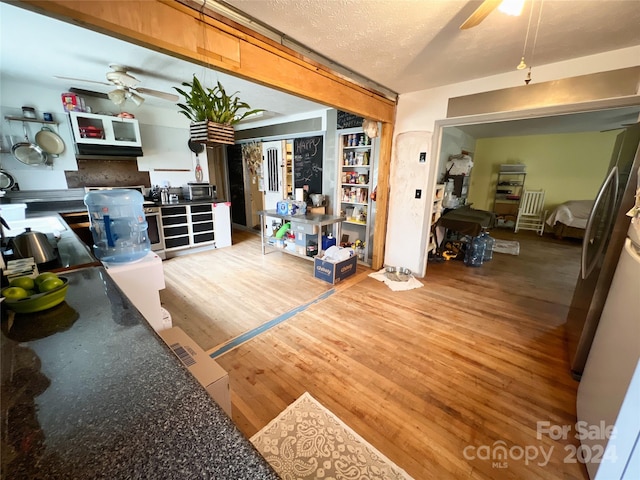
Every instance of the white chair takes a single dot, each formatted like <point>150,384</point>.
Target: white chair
<point>530,212</point>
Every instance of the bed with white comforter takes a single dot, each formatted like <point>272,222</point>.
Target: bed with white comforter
<point>570,218</point>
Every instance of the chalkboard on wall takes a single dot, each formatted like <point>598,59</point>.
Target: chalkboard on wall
<point>348,120</point>
<point>307,163</point>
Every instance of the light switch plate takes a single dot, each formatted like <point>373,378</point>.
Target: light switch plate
<point>418,193</point>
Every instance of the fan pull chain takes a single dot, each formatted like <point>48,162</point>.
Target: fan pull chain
<point>535,41</point>
<point>522,65</point>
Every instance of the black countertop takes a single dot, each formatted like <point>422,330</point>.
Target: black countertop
<point>89,390</point>
<point>72,252</point>
<point>72,201</point>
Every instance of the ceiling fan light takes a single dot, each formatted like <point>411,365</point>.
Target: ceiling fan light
<point>117,96</point>
<point>137,99</point>
<point>512,7</point>
<point>521,65</point>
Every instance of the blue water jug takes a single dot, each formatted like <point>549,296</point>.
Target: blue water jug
<point>118,225</point>
<point>489,243</point>
<point>328,241</point>
<point>474,255</point>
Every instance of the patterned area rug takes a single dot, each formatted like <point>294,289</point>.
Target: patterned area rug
<point>308,441</point>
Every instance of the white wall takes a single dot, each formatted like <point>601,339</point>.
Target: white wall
<point>164,134</point>
<point>453,142</point>
<point>418,111</point>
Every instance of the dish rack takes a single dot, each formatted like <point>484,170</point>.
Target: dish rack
<point>91,132</point>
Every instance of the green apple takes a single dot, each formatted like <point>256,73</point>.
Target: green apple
<point>50,284</point>
<point>43,276</point>
<point>14,293</point>
<point>23,282</point>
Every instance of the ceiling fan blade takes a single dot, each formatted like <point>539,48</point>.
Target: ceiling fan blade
<point>81,80</point>
<point>88,93</point>
<point>480,14</point>
<point>156,93</point>
<point>122,78</point>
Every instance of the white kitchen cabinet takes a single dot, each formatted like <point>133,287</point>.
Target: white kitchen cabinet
<point>190,226</point>
<point>356,183</point>
<point>91,131</point>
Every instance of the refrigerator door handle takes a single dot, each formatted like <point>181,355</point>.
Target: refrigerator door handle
<point>585,268</point>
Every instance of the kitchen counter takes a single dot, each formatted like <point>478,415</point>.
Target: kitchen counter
<point>101,396</point>
<point>182,201</point>
<point>72,200</point>
<point>72,252</point>
<point>319,219</point>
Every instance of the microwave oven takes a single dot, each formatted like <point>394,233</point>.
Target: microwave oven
<point>199,191</point>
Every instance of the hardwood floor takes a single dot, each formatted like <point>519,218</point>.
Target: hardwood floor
<point>434,377</point>
<point>216,295</point>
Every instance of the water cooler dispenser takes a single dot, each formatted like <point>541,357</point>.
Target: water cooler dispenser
<point>121,243</point>
<point>118,225</point>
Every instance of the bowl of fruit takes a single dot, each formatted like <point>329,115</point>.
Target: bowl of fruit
<point>28,295</point>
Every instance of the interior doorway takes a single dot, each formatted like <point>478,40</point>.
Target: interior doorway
<point>235,169</point>
<point>594,117</point>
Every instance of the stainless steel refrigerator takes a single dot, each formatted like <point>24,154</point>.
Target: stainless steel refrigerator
<point>604,238</point>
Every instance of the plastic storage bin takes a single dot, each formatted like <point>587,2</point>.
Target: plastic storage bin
<point>13,211</point>
<point>118,225</point>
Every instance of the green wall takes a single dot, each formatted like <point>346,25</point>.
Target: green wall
<point>568,166</point>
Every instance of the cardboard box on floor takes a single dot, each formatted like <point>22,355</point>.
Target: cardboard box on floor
<point>211,376</point>
<point>334,272</point>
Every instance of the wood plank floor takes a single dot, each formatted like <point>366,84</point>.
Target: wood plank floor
<point>216,295</point>
<point>432,376</point>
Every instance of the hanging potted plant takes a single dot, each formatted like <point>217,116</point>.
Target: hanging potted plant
<point>212,112</point>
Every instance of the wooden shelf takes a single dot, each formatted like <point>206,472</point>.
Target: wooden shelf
<point>355,223</point>
<point>356,147</point>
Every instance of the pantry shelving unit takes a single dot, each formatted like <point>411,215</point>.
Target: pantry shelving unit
<point>357,179</point>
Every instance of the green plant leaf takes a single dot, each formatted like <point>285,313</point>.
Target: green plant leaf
<point>213,104</point>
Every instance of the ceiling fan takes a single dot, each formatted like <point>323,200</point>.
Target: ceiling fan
<point>510,7</point>
<point>126,86</point>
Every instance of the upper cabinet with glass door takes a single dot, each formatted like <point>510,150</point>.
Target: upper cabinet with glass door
<point>93,129</point>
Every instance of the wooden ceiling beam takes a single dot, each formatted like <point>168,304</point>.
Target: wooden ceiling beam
<point>177,29</point>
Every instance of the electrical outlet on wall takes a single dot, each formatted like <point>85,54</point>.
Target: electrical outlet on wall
<point>418,193</point>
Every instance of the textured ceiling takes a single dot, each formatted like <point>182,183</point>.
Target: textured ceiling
<point>48,47</point>
<point>409,45</point>
<point>405,45</point>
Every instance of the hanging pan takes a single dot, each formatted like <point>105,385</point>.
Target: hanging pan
<point>6,180</point>
<point>49,141</point>
<point>29,153</point>
<point>195,147</point>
